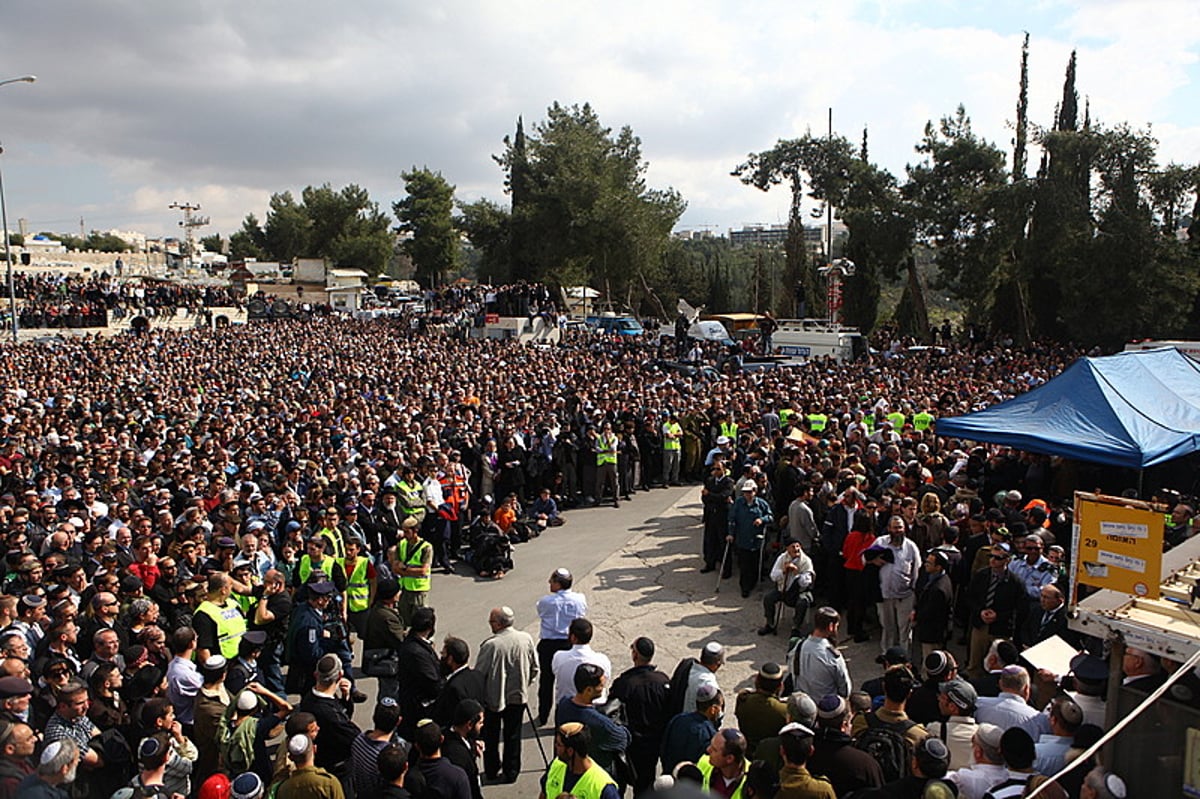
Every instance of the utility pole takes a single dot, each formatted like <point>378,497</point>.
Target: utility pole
<point>189,225</point>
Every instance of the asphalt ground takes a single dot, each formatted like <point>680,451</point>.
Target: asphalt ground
<point>639,567</point>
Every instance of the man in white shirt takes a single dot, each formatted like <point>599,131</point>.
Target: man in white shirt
<point>956,703</point>
<point>792,576</point>
<point>987,767</point>
<point>712,658</point>
<point>897,583</point>
<point>564,664</point>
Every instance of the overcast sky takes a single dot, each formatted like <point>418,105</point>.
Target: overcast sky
<point>140,104</point>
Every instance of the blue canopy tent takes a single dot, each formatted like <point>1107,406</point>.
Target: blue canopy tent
<point>1134,409</point>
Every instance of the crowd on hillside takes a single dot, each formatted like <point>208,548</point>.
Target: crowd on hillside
<point>88,300</point>
<point>187,513</point>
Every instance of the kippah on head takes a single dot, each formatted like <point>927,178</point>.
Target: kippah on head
<point>299,745</point>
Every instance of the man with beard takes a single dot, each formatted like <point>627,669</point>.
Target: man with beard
<point>55,769</point>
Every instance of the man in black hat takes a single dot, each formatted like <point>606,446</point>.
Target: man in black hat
<point>760,712</point>
<point>15,694</point>
<point>893,656</point>
<point>642,690</point>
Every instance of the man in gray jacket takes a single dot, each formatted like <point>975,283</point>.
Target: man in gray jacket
<point>508,662</point>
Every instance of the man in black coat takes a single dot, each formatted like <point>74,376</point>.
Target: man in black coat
<point>462,682</point>
<point>993,597</point>
<point>935,602</point>
<point>459,744</point>
<point>643,690</point>
<point>834,755</point>
<point>330,703</point>
<point>1049,620</point>
<point>420,673</point>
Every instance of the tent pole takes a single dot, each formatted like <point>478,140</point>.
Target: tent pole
<point>1141,474</point>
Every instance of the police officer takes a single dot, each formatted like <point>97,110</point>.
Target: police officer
<point>307,637</point>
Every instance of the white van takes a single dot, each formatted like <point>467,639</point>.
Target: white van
<point>816,338</point>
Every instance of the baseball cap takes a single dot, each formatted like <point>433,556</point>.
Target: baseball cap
<point>893,656</point>
<point>961,693</point>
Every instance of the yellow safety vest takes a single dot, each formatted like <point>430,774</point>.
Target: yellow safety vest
<point>412,559</point>
<point>897,420</point>
<point>784,415</point>
<point>246,603</point>
<point>922,420</point>
<point>869,421</point>
<point>817,422</point>
<point>673,429</point>
<point>706,768</point>
<point>591,782</point>
<point>412,499</point>
<point>336,546</point>
<point>231,625</point>
<point>306,567</point>
<point>358,591</point>
<point>729,429</point>
<point>607,453</point>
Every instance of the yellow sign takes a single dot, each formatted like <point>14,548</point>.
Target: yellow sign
<point>1119,547</point>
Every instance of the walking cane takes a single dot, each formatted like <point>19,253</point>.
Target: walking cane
<point>536,736</point>
<point>721,571</point>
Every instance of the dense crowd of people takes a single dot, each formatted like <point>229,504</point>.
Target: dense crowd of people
<point>198,526</point>
<point>49,300</point>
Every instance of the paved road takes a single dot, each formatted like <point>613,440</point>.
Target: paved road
<point>638,566</point>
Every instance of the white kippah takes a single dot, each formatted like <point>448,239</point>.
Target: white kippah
<point>51,752</point>
<point>299,744</point>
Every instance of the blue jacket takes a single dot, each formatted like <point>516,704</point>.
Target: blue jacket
<point>741,521</point>
<point>686,739</point>
<point>608,737</point>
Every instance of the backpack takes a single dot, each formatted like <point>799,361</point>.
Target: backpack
<point>885,742</point>
<point>677,688</point>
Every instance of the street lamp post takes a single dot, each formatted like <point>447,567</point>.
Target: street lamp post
<point>12,289</point>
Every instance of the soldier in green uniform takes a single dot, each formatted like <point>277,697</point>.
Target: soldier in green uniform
<point>307,781</point>
<point>795,781</point>
<point>760,713</point>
